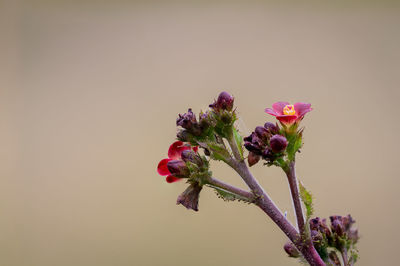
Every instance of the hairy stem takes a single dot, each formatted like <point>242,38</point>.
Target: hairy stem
<point>263,201</point>
<point>235,190</point>
<point>294,191</point>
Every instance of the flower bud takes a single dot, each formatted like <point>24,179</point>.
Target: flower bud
<point>291,250</point>
<point>178,168</point>
<point>262,133</point>
<point>316,236</point>
<point>337,227</point>
<point>186,120</point>
<point>324,229</point>
<point>253,158</point>
<point>267,154</point>
<point>189,122</point>
<point>347,221</point>
<point>278,143</point>
<point>249,138</point>
<point>204,120</point>
<point>191,156</point>
<point>190,197</point>
<point>224,102</point>
<point>271,127</point>
<point>353,235</point>
<point>314,223</point>
<point>252,148</point>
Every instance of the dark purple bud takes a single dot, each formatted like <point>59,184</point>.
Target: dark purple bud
<point>262,133</point>
<point>190,197</point>
<point>278,143</point>
<point>253,148</point>
<point>204,120</point>
<point>314,223</point>
<point>189,122</point>
<point>353,235</point>
<point>316,236</point>
<point>291,250</point>
<point>333,218</point>
<point>186,120</point>
<point>267,154</point>
<point>324,228</point>
<point>249,138</point>
<point>337,227</point>
<point>253,158</point>
<point>207,152</point>
<point>271,127</point>
<point>191,156</point>
<point>347,221</point>
<point>225,101</point>
<point>178,168</point>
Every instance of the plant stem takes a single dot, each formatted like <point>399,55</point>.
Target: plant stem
<point>344,257</point>
<point>263,201</point>
<point>235,190</point>
<point>294,191</point>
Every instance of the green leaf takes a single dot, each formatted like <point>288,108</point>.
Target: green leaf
<point>229,196</point>
<point>295,143</point>
<point>218,152</point>
<point>239,141</point>
<point>306,197</point>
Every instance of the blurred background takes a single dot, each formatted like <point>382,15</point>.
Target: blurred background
<point>89,94</point>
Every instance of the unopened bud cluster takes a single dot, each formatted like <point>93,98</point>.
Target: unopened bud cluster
<point>340,235</point>
<point>265,142</point>
<point>217,120</point>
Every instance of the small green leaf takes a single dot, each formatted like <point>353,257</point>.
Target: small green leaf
<point>239,141</point>
<point>218,152</point>
<point>294,144</point>
<point>229,196</point>
<point>306,197</point>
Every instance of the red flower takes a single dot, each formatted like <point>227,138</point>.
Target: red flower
<point>174,153</point>
<point>289,114</point>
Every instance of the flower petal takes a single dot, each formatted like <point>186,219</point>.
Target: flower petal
<point>195,149</point>
<point>287,119</point>
<point>278,107</point>
<point>270,111</point>
<point>162,168</point>
<point>172,179</point>
<point>175,150</point>
<point>302,108</point>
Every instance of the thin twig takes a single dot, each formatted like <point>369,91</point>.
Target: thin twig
<point>235,190</point>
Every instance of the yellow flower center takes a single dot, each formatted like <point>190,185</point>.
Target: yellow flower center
<point>289,110</point>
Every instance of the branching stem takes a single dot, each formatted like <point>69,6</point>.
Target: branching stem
<point>268,206</point>
<point>235,190</point>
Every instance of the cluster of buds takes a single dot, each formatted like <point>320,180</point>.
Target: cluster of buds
<point>265,142</point>
<point>340,235</point>
<point>220,117</point>
<point>191,128</point>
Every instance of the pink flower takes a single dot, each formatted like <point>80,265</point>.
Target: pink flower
<point>174,154</point>
<point>289,114</point>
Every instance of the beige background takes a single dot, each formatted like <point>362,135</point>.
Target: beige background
<point>89,96</point>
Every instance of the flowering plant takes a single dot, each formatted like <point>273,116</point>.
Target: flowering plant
<point>276,144</point>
